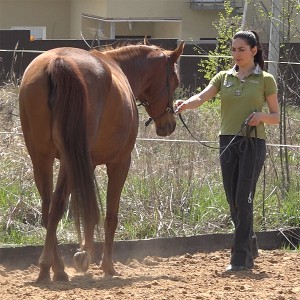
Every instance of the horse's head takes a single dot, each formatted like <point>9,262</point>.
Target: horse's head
<point>162,81</point>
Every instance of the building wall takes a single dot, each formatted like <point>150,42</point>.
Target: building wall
<point>63,20</point>
<point>54,14</point>
<point>168,30</point>
<point>195,24</point>
<point>77,7</point>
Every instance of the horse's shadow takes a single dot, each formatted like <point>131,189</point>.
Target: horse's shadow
<point>88,281</point>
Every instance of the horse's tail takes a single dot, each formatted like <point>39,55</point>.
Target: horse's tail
<point>67,99</point>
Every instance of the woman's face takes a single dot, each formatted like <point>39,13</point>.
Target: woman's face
<point>242,53</point>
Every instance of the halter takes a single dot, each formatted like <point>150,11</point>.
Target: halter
<point>169,108</point>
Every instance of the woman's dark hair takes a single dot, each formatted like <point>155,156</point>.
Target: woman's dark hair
<point>252,40</point>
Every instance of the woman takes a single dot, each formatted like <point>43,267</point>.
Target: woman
<point>244,89</point>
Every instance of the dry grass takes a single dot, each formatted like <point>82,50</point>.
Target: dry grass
<point>173,189</point>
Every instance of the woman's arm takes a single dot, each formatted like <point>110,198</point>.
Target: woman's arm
<point>196,100</point>
<point>272,117</point>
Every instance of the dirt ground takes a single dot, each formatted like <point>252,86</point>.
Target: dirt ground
<point>276,276</point>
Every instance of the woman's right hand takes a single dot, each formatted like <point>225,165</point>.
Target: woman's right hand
<point>179,106</point>
<point>196,100</point>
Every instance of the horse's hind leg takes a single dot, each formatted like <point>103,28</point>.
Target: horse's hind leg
<point>50,256</point>
<point>117,173</point>
<point>43,176</point>
<point>76,217</point>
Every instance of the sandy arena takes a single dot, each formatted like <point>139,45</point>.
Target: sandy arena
<point>276,276</point>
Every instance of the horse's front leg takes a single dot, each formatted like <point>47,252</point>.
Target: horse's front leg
<point>117,173</point>
<point>50,256</point>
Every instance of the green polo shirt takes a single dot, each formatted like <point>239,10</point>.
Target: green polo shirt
<point>240,98</point>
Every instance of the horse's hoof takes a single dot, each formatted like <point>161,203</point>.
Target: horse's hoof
<point>112,274</point>
<point>61,276</point>
<point>82,261</point>
<point>109,270</point>
<point>43,278</point>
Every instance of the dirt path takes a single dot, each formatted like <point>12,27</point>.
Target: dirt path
<point>199,276</point>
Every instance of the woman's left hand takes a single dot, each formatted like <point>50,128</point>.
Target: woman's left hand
<point>254,119</point>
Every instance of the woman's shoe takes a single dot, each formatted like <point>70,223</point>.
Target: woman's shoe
<point>235,268</point>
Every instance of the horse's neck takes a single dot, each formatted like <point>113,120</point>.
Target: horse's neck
<point>134,65</point>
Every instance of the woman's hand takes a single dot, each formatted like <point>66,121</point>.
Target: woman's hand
<point>196,100</point>
<point>179,106</point>
<point>254,119</point>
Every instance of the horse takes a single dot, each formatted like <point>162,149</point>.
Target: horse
<point>80,107</point>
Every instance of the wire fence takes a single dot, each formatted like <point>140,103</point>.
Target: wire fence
<point>174,187</point>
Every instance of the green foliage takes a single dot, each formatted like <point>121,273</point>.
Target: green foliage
<point>290,209</point>
<point>287,20</point>
<point>227,25</point>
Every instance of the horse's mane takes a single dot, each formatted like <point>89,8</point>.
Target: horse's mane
<point>127,50</point>
<point>125,54</point>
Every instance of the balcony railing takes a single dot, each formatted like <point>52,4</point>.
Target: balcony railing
<point>215,4</point>
<point>207,4</point>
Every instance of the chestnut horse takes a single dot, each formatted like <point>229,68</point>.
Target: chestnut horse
<point>79,107</point>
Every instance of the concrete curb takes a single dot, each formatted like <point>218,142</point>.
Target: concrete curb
<point>23,257</point>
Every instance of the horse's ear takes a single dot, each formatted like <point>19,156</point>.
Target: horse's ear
<point>177,52</point>
<point>146,42</point>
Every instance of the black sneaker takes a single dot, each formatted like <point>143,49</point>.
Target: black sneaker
<point>235,268</point>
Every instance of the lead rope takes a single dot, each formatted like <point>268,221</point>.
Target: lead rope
<point>250,197</point>
<point>212,147</point>
<point>264,198</point>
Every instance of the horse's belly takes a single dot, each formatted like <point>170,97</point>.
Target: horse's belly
<point>115,144</point>
<point>105,153</point>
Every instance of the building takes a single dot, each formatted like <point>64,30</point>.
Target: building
<point>72,19</point>
<point>56,23</point>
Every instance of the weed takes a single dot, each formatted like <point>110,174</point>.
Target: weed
<point>174,186</point>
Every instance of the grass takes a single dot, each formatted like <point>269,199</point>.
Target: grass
<point>174,187</point>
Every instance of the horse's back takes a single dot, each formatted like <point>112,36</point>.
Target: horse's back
<point>109,102</point>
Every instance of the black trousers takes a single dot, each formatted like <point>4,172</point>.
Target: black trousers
<point>241,165</point>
